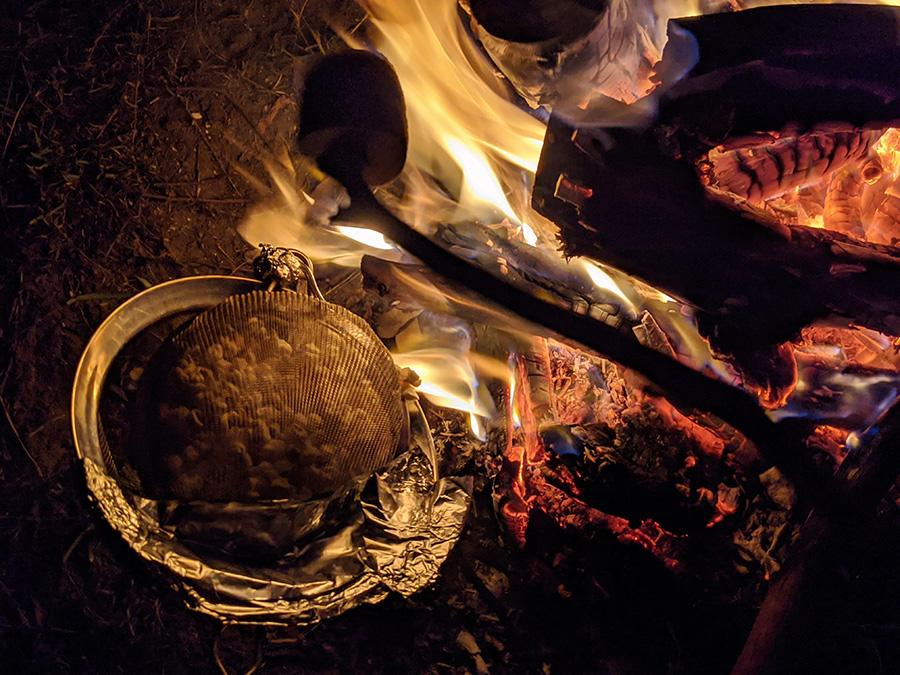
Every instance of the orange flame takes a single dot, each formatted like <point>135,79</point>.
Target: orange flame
<point>462,128</point>
<point>888,150</point>
<point>453,375</point>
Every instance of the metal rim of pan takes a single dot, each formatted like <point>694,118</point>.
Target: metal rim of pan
<point>133,517</point>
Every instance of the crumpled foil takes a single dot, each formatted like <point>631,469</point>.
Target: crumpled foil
<point>274,562</point>
<point>285,267</point>
<point>586,79</point>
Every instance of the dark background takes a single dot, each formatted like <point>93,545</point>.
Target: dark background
<point>121,124</point>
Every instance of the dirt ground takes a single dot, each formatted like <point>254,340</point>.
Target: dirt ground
<point>122,125</point>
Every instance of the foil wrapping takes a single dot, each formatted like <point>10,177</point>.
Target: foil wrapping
<point>593,79</point>
<point>278,562</point>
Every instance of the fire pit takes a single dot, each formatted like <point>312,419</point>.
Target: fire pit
<point>661,416</point>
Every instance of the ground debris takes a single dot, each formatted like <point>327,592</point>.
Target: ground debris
<point>133,136</point>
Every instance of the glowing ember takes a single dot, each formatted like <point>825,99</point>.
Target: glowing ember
<point>888,150</point>
<point>471,162</point>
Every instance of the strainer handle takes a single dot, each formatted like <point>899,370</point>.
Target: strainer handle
<point>286,267</point>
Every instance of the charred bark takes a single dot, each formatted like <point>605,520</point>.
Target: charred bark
<point>801,612</point>
<point>632,198</point>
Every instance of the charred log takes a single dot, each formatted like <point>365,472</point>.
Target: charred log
<point>632,198</point>
<point>622,200</point>
<point>767,68</point>
<point>801,611</point>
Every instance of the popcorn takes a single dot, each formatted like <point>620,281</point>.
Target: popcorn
<point>275,395</point>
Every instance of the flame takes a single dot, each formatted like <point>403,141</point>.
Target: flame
<point>480,147</point>
<point>366,237</point>
<point>513,396</point>
<point>520,412</point>
<point>888,150</point>
<point>480,180</point>
<point>453,374</point>
<point>448,380</point>
<point>476,425</point>
<point>602,279</point>
<point>293,218</point>
<point>461,123</point>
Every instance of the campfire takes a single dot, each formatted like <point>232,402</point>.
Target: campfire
<point>646,263</point>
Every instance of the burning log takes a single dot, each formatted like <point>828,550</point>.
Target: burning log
<point>640,211</point>
<point>764,69</point>
<point>800,610</point>
<point>600,188</point>
<point>343,160</point>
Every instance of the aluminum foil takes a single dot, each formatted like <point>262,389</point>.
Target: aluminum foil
<point>275,562</point>
<point>595,78</point>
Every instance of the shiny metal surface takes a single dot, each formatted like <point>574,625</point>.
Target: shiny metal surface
<point>391,530</point>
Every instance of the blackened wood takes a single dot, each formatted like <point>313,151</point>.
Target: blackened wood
<point>618,198</point>
<point>801,612</point>
<point>766,68</point>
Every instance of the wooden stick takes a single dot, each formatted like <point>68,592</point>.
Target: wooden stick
<point>802,608</point>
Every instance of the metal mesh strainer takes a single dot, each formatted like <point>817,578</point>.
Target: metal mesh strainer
<point>271,395</point>
<point>282,561</point>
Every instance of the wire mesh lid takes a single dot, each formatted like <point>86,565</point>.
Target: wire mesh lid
<point>272,395</point>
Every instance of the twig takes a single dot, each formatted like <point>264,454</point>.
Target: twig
<point>259,652</point>
<point>12,128</point>
<point>87,530</point>
<point>86,297</point>
<point>202,37</point>
<point>15,431</point>
<point>204,200</point>
<point>197,170</point>
<point>205,140</point>
<point>215,156</point>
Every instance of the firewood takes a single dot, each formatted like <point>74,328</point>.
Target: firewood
<point>755,281</point>
<point>801,611</point>
<point>632,198</point>
<point>764,69</point>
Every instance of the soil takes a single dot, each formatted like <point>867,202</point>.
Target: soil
<point>133,136</point>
